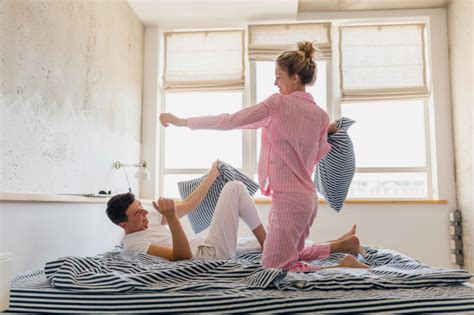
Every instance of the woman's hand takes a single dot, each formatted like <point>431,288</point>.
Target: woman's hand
<point>332,128</point>
<point>167,119</point>
<point>166,207</point>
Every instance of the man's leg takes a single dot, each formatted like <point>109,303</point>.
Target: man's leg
<point>234,203</point>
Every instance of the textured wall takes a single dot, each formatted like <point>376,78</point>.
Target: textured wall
<point>460,26</point>
<point>71,94</point>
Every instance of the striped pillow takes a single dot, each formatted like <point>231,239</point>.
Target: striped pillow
<point>201,217</point>
<point>335,171</point>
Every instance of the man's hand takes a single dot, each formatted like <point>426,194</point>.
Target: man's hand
<point>167,119</point>
<point>214,171</point>
<point>166,207</point>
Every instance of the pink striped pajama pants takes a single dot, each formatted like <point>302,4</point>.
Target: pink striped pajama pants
<point>290,220</point>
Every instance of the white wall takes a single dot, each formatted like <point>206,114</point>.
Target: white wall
<point>71,94</point>
<point>460,15</point>
<point>151,105</point>
<point>38,232</point>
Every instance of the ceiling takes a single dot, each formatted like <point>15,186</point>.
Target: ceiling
<point>231,13</point>
<point>212,13</point>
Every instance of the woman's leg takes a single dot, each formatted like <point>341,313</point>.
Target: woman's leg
<point>349,245</point>
<point>348,262</point>
<point>290,217</point>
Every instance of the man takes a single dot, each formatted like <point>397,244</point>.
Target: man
<point>159,233</point>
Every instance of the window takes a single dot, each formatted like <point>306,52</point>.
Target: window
<point>203,75</point>
<point>391,148</point>
<point>382,83</point>
<point>190,152</point>
<point>384,89</point>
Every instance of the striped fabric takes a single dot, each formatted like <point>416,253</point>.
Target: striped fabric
<point>96,284</point>
<point>201,217</point>
<point>45,299</point>
<point>126,271</point>
<point>335,171</point>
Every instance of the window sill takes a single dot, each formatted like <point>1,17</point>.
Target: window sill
<point>44,197</point>
<point>262,201</point>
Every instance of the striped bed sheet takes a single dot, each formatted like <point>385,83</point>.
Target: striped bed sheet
<point>128,282</point>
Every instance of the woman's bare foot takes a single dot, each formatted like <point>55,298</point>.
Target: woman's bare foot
<point>351,262</point>
<point>349,245</point>
<point>352,231</point>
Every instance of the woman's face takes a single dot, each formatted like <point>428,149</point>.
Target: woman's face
<point>286,84</point>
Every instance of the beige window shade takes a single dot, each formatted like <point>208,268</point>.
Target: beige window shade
<point>267,42</point>
<point>382,62</point>
<point>212,60</point>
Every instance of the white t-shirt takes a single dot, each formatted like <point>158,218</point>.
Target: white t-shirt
<point>155,234</point>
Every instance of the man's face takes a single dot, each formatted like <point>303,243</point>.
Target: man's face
<point>137,218</point>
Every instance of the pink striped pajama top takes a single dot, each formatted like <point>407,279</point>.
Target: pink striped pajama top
<point>294,138</point>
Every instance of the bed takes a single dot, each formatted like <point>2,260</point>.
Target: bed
<point>120,281</point>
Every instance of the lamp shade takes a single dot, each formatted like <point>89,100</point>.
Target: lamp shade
<point>142,174</point>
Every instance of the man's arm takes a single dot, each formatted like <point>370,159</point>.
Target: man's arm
<point>161,251</point>
<point>181,249</point>
<point>195,198</point>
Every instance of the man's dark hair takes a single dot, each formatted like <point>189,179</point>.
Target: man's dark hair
<point>117,207</point>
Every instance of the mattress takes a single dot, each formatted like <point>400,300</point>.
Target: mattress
<point>130,282</point>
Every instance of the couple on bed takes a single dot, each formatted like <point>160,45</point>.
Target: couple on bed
<point>159,232</point>
<point>294,139</point>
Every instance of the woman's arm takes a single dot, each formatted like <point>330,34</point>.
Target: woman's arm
<point>252,117</point>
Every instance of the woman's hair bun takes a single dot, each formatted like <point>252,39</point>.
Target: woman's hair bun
<point>307,48</point>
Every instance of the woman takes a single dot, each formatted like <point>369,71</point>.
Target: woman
<point>294,139</point>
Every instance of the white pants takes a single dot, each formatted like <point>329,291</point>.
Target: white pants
<point>234,202</point>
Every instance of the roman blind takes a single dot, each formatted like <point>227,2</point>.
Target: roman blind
<point>382,62</point>
<point>267,42</point>
<point>208,60</point>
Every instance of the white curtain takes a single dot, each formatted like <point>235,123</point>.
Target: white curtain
<point>382,62</point>
<point>209,60</point>
<point>267,42</point>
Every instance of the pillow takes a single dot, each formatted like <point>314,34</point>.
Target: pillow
<point>201,217</point>
<point>335,171</point>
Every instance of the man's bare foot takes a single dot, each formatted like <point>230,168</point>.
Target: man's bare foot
<point>352,231</point>
<point>351,262</point>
